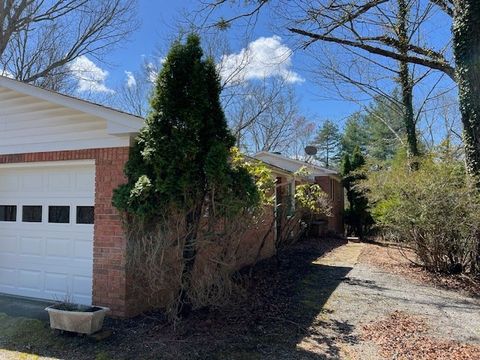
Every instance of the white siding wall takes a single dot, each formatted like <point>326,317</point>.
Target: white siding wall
<point>29,124</point>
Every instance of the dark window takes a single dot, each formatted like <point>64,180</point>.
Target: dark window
<point>32,213</point>
<point>59,214</point>
<point>85,214</point>
<point>8,213</point>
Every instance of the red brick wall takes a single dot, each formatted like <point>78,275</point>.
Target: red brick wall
<point>109,246</point>
<point>112,286</point>
<point>335,222</point>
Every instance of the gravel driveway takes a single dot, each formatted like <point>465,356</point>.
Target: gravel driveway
<point>367,294</point>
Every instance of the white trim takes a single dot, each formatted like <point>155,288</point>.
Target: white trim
<point>77,144</point>
<point>298,162</point>
<point>118,123</point>
<point>47,163</point>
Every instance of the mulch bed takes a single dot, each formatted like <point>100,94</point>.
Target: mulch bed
<point>394,259</point>
<point>403,336</point>
<point>264,319</point>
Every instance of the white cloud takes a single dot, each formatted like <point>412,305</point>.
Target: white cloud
<point>7,73</point>
<point>89,76</point>
<point>152,71</point>
<point>130,81</point>
<point>263,58</point>
<point>153,68</point>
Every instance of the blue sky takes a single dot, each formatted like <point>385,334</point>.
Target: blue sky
<point>157,28</point>
<point>159,25</point>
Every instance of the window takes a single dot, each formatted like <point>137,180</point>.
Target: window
<point>59,214</point>
<point>32,213</point>
<point>85,214</point>
<point>8,213</point>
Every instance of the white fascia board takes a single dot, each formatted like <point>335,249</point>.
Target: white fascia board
<point>118,123</point>
<point>322,171</point>
<point>47,163</point>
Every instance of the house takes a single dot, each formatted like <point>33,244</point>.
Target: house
<point>329,180</point>
<point>60,160</point>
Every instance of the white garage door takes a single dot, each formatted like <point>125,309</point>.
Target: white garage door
<point>46,230</point>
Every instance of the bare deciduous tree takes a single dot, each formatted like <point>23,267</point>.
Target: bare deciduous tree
<point>38,38</point>
<point>358,25</point>
<point>279,126</point>
<point>262,113</point>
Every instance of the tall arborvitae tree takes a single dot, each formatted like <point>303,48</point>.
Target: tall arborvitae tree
<point>181,159</point>
<point>357,215</point>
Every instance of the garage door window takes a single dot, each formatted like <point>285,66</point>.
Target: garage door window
<point>59,214</point>
<point>32,213</point>
<point>85,214</point>
<point>8,213</point>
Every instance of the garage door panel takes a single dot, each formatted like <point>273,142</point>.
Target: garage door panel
<point>58,247</point>
<point>8,277</point>
<point>8,244</point>
<point>30,280</point>
<point>9,262</point>
<point>32,246</point>
<point>32,183</point>
<point>56,282</point>
<point>8,183</point>
<point>42,259</point>
<point>59,183</point>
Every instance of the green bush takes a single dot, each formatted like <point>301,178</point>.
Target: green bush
<point>357,217</point>
<point>433,210</point>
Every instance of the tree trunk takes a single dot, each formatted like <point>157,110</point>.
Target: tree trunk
<point>189,255</point>
<point>408,114</point>
<point>406,81</point>
<point>466,45</point>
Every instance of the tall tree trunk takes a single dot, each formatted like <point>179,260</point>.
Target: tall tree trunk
<point>466,45</point>
<point>189,255</point>
<point>406,81</point>
<point>408,115</point>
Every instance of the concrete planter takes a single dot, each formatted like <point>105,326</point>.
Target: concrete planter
<point>83,320</point>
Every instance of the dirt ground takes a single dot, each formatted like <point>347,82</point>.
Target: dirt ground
<point>322,299</point>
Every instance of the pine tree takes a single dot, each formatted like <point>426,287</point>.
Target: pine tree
<point>354,134</point>
<point>327,141</point>
<point>369,130</point>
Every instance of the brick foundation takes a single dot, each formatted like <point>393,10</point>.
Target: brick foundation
<point>109,245</point>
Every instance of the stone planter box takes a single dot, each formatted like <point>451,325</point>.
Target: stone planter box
<point>78,319</point>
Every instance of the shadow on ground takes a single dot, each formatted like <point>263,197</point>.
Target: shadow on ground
<point>281,316</point>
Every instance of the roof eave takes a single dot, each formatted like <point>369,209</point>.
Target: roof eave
<point>118,123</point>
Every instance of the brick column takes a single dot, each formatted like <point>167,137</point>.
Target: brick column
<point>109,250</point>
